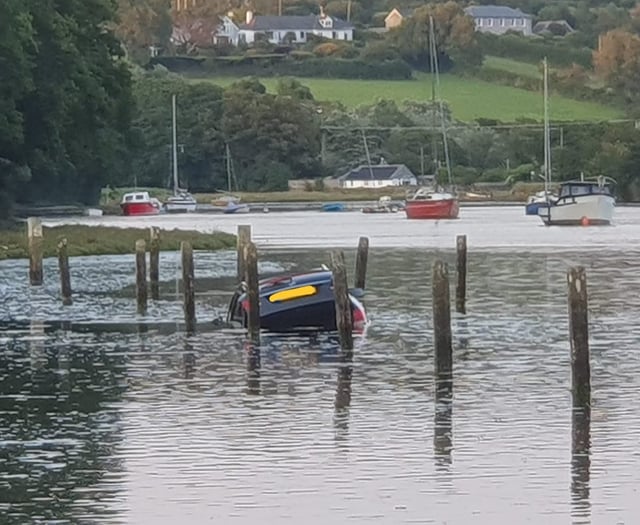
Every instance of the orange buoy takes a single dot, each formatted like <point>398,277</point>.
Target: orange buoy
<point>584,221</point>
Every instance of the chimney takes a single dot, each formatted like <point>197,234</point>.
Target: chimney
<point>249,18</point>
<point>322,15</point>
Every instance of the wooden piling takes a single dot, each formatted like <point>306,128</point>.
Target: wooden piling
<point>442,321</point>
<point>154,262</point>
<point>253,292</point>
<point>344,321</point>
<point>461,288</point>
<point>579,336</point>
<point>361,262</point>
<point>141,277</point>
<point>243,239</point>
<point>188,287</point>
<point>65,278</point>
<point>34,234</point>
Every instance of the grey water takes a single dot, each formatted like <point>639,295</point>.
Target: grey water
<point>111,418</point>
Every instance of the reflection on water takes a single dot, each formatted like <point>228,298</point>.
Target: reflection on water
<point>580,463</point>
<point>138,424</point>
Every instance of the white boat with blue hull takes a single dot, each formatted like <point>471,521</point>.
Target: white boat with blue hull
<point>581,202</point>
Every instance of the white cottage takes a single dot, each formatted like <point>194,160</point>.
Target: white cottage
<point>378,176</point>
<point>499,19</point>
<point>282,29</point>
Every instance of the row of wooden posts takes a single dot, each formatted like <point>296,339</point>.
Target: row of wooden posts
<point>247,270</point>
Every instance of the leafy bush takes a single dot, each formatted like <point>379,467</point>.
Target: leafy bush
<point>326,49</point>
<point>379,51</point>
<point>272,65</point>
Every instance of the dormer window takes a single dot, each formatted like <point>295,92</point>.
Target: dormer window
<point>326,22</point>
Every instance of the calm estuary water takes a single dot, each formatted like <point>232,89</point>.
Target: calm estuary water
<point>110,418</point>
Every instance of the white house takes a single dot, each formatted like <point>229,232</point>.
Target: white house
<point>499,19</point>
<point>378,176</point>
<point>282,29</point>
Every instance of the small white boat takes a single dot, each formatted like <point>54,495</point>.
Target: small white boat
<point>539,200</point>
<point>236,208</point>
<point>581,202</point>
<point>181,202</point>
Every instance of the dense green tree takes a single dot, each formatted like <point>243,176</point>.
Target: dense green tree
<point>16,80</point>
<point>77,117</point>
<point>455,36</point>
<point>200,139</point>
<point>264,128</point>
<point>143,23</point>
<point>66,103</point>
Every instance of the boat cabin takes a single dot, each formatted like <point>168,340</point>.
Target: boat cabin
<point>577,188</point>
<point>140,196</point>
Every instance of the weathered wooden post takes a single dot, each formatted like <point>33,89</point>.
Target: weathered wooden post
<point>442,321</point>
<point>253,292</point>
<point>579,337</point>
<point>244,238</point>
<point>154,262</point>
<point>188,287</point>
<point>361,262</point>
<point>65,278</point>
<point>461,288</point>
<point>344,321</point>
<point>141,277</point>
<point>34,234</point>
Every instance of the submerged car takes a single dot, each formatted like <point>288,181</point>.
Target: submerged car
<point>296,302</point>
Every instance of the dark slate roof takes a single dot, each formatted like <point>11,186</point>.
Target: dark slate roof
<point>494,11</point>
<point>293,23</point>
<point>380,172</point>
<point>544,24</point>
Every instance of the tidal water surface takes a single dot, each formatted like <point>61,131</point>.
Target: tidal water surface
<point>111,418</point>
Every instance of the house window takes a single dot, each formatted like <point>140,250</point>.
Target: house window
<point>489,22</point>
<point>502,22</point>
<point>301,35</point>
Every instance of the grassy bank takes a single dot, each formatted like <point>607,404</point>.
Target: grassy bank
<point>524,69</point>
<point>469,98</point>
<point>101,240</point>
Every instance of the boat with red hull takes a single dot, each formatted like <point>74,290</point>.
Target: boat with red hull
<point>139,203</point>
<point>427,204</point>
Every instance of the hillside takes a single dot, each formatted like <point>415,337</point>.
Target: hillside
<point>469,99</point>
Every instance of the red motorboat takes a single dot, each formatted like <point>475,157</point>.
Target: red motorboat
<point>139,203</point>
<point>427,204</point>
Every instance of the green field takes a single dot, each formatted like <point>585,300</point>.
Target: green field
<point>469,98</point>
<point>523,69</point>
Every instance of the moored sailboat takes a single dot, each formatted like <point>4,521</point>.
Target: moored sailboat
<point>579,202</point>
<point>181,201</point>
<point>542,198</point>
<point>435,203</point>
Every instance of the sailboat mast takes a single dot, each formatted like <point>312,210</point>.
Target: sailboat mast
<point>228,159</point>
<point>174,145</point>
<point>547,131</point>
<point>366,150</point>
<point>440,105</point>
